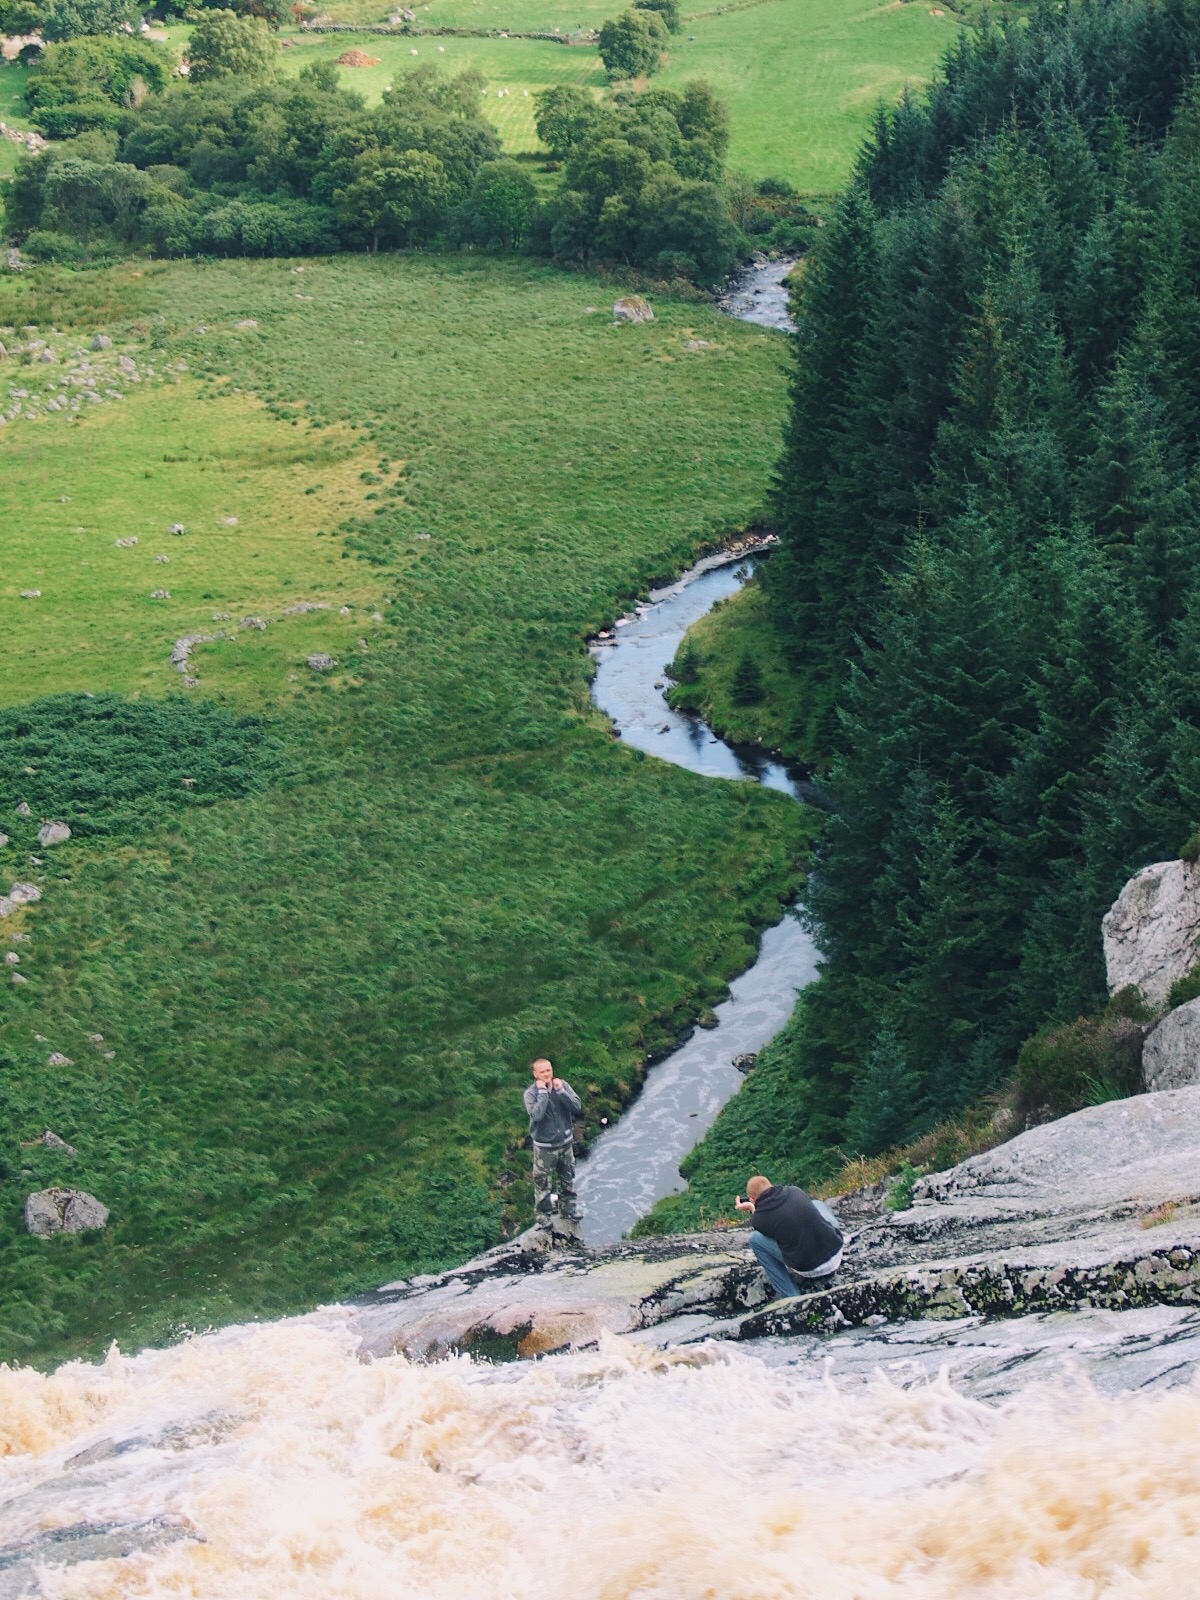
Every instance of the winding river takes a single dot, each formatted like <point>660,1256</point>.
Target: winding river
<point>636,1162</point>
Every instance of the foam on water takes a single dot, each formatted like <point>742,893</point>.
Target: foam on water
<point>304,1473</point>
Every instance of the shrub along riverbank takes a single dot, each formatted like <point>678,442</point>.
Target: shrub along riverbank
<point>322,985</point>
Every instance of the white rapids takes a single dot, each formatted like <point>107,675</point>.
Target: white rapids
<point>270,1461</point>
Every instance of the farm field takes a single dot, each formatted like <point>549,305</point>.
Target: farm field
<point>801,77</point>
<point>291,1000</point>
<point>518,66</point>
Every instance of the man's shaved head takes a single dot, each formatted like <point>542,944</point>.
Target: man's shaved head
<point>757,1186</point>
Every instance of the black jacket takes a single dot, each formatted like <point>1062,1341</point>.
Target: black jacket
<point>787,1215</point>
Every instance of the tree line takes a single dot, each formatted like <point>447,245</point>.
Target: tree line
<point>237,160</point>
<point>989,575</point>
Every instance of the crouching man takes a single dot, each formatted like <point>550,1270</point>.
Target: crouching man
<point>552,1105</point>
<point>794,1236</point>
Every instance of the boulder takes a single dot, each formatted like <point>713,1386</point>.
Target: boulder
<point>1171,1056</point>
<point>1152,932</point>
<point>53,1142</point>
<point>53,833</point>
<point>7,905</point>
<point>101,341</point>
<point>320,663</point>
<point>126,364</point>
<point>23,808</point>
<point>25,894</point>
<point>50,1211</point>
<point>632,308</point>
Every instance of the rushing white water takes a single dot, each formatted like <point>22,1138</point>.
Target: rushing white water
<point>273,1463</point>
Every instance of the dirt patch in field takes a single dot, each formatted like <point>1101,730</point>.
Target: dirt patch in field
<point>357,58</point>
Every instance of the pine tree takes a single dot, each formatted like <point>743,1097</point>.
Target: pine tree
<point>747,687</point>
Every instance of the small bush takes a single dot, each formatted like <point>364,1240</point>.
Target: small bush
<point>58,248</point>
<point>900,1191</point>
<point>1190,850</point>
<point>1131,1003</point>
<point>1080,1063</point>
<point>1184,989</point>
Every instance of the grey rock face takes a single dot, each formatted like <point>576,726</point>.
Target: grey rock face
<point>1171,1057</point>
<point>7,905</point>
<point>321,663</point>
<point>53,1142</point>
<point>1152,932</point>
<point>49,1211</point>
<point>23,808</point>
<point>25,894</point>
<point>101,341</point>
<point>53,833</point>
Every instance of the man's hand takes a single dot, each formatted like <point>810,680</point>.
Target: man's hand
<point>556,1083</point>
<point>743,1205</point>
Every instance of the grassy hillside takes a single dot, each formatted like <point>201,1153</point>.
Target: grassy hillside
<point>801,77</point>
<point>320,966</point>
<point>12,112</point>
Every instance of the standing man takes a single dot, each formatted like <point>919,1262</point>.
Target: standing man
<point>552,1106</point>
<point>792,1234</point>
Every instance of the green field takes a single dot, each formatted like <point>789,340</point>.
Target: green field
<point>801,77</point>
<point>321,983</point>
<point>519,66</point>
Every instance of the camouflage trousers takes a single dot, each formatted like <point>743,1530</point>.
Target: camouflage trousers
<point>554,1177</point>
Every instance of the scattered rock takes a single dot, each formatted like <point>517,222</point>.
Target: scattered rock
<point>181,650</point>
<point>19,977</point>
<point>177,528</point>
<point>101,341</point>
<point>188,783</point>
<point>25,894</point>
<point>12,958</point>
<point>699,344</point>
<point>1171,1055</point>
<point>31,594</point>
<point>257,623</point>
<point>744,1063</point>
<point>22,808</point>
<point>95,1038</point>
<point>320,663</point>
<point>126,364</point>
<point>162,561</point>
<point>57,1059</point>
<point>343,611</point>
<point>1152,932</point>
<point>301,607</point>
<point>127,543</point>
<point>246,323</point>
<point>51,1211</point>
<point>160,594</point>
<point>53,833</point>
<point>632,308</point>
<point>229,522</point>
<point>7,905</point>
<point>53,1142</point>
<point>47,356</point>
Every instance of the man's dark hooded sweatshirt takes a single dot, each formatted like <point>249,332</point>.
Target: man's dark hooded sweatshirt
<point>787,1215</point>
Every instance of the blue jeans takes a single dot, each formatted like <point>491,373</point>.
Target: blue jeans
<point>770,1258</point>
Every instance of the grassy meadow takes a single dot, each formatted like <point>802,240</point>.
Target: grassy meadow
<point>801,77</point>
<point>318,968</point>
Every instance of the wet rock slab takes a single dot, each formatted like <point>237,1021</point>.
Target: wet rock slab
<point>1099,1211</point>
